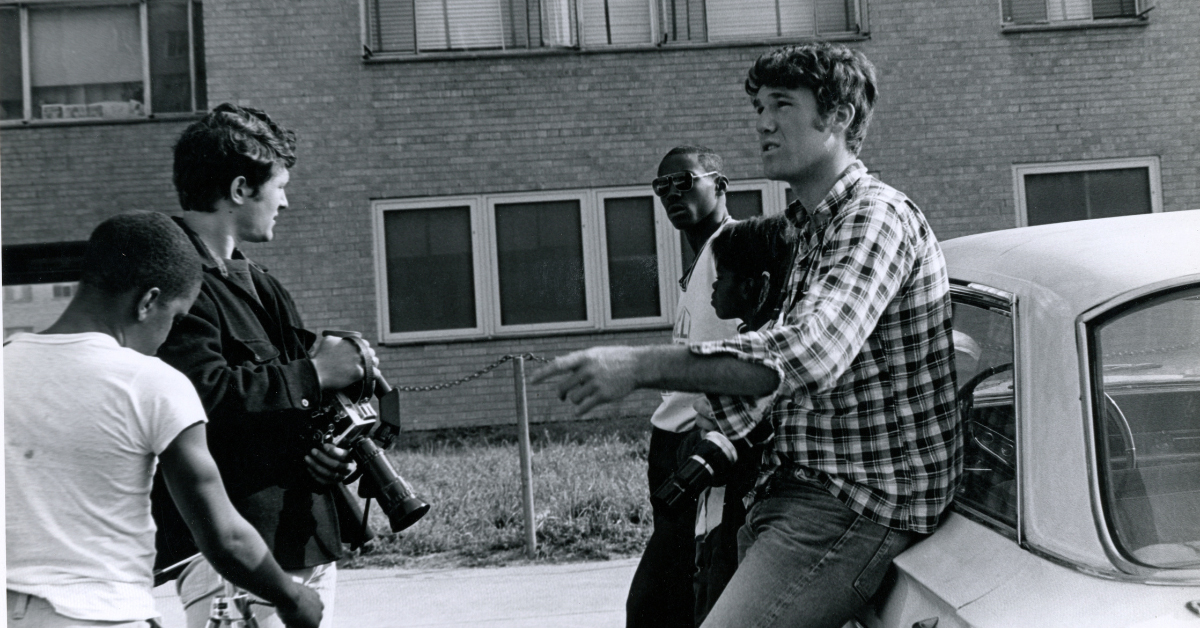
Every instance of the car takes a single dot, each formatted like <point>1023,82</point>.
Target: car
<point>1078,362</point>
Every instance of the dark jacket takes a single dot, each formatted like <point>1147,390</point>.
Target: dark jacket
<point>248,359</point>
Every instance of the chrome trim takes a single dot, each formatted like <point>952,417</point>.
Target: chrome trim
<point>997,298</point>
<point>1128,570</point>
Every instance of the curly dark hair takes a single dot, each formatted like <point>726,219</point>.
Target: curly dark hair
<point>229,142</point>
<point>761,243</point>
<point>836,74</point>
<point>140,250</point>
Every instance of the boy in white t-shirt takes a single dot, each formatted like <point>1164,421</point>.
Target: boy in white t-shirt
<point>88,415</point>
<point>692,189</point>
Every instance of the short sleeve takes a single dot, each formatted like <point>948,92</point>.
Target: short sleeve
<point>167,404</point>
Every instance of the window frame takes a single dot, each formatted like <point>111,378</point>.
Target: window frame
<point>1021,170</point>
<point>1091,388</point>
<point>1140,17</point>
<point>667,248</point>
<point>659,37</point>
<point>986,297</point>
<point>485,253</point>
<point>143,7</point>
<point>588,228</point>
<point>478,253</point>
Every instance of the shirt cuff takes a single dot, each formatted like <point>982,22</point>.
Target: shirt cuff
<point>305,388</point>
<point>738,415</point>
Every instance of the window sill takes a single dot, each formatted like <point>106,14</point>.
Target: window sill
<point>395,57</point>
<point>41,123</point>
<point>1074,25</point>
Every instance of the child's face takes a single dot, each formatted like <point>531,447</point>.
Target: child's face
<point>730,297</point>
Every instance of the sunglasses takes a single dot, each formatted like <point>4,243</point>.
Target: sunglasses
<point>682,181</point>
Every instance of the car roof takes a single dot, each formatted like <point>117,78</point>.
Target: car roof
<point>1083,262</point>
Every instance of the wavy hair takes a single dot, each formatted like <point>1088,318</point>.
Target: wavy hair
<point>230,142</point>
<point>836,75</point>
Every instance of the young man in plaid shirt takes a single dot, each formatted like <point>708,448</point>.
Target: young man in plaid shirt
<point>858,367</point>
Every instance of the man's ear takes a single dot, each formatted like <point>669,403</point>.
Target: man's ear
<point>149,300</point>
<point>841,116</point>
<point>239,190</point>
<point>722,183</point>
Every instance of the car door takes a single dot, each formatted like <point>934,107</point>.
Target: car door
<point>959,563</point>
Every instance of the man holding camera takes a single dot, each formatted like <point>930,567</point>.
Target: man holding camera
<point>259,373</point>
<point>88,414</point>
<point>857,374</point>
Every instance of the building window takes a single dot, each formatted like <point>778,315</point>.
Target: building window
<point>63,290</point>
<point>1050,193</point>
<point>424,26</point>
<point>532,263</point>
<point>1018,12</point>
<point>18,294</point>
<point>64,61</point>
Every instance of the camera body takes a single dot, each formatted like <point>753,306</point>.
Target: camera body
<point>710,463</point>
<point>349,421</point>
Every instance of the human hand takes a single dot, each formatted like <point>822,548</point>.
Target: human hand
<point>329,464</point>
<point>303,610</point>
<point>339,362</point>
<point>595,376</point>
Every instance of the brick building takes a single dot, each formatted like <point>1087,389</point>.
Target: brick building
<point>473,175</point>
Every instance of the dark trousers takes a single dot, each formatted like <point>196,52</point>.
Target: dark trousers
<point>717,556</point>
<point>661,593</point>
<point>717,552</point>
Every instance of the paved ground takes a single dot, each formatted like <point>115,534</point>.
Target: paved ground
<point>580,595</point>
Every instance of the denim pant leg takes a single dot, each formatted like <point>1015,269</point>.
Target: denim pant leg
<point>807,560</point>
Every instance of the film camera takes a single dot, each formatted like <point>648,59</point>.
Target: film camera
<point>711,463</point>
<point>349,421</point>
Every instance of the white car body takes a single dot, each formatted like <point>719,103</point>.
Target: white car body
<point>1042,549</point>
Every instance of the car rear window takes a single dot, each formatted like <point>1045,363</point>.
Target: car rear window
<point>1146,400</point>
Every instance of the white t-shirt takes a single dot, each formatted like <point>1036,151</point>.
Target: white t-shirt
<point>84,421</point>
<point>695,321</point>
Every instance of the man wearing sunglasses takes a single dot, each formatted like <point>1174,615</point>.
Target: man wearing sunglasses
<point>856,376</point>
<point>692,190</point>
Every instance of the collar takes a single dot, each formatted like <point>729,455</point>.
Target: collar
<point>207,259</point>
<point>818,218</point>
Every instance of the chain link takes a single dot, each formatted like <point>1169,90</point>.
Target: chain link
<point>481,372</point>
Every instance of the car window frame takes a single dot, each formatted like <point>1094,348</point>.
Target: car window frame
<point>980,295</point>
<point>1085,326</point>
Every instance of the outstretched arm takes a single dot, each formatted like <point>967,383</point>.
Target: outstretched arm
<point>227,540</point>
<point>602,375</point>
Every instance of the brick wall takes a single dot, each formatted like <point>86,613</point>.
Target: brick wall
<point>960,103</point>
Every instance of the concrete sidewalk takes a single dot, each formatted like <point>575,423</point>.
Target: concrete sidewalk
<point>578,595</point>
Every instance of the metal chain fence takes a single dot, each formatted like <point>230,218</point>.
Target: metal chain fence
<point>477,374</point>
<point>522,410</point>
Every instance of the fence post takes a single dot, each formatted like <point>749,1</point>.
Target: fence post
<point>526,456</point>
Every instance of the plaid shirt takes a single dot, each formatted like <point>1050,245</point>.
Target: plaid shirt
<point>866,400</point>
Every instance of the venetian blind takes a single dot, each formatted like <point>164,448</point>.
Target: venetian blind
<point>609,22</point>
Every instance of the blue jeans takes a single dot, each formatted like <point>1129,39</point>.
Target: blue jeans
<point>805,560</point>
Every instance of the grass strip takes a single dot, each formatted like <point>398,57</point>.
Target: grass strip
<point>590,496</point>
